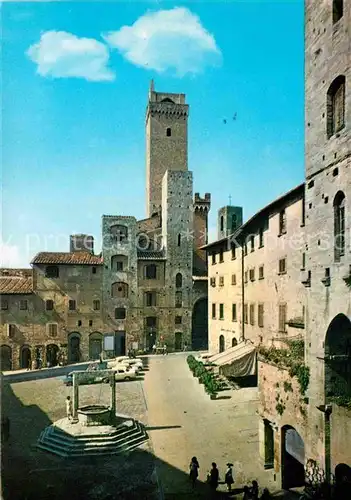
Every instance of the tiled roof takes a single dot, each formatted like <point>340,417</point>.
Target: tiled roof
<point>152,255</point>
<point>126,217</point>
<point>15,284</point>
<point>66,258</point>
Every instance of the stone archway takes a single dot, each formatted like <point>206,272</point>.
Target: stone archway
<point>292,458</point>
<point>95,345</point>
<point>52,355</point>
<point>74,347</point>
<point>6,358</point>
<point>337,376</point>
<point>199,331</point>
<point>25,357</point>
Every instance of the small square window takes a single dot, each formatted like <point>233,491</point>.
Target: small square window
<point>93,270</point>
<point>96,305</point>
<point>79,322</point>
<point>90,322</point>
<point>178,320</point>
<point>49,305</point>
<point>4,305</point>
<point>23,305</point>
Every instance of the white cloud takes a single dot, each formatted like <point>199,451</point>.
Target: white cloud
<point>62,55</point>
<point>167,39</point>
<point>9,255</point>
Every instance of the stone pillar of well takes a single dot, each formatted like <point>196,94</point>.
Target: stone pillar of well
<point>75,396</point>
<point>113,396</point>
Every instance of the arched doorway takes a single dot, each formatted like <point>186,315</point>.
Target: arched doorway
<point>221,343</point>
<point>51,354</point>
<point>6,358</point>
<point>337,358</point>
<point>199,335</point>
<point>95,345</point>
<point>234,342</point>
<point>178,341</point>
<point>25,357</point>
<point>293,458</point>
<point>74,347</point>
<point>342,487</point>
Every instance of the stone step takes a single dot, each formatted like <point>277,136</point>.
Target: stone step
<point>52,433</point>
<point>95,452</point>
<point>114,431</point>
<point>91,443</point>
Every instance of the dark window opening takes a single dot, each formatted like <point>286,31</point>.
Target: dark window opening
<point>96,305</point>
<point>150,299</point>
<point>93,270</point>
<point>120,313</point>
<point>178,320</point>
<point>52,330</point>
<point>282,222</point>
<point>178,299</point>
<point>222,223</point>
<point>23,305</point>
<point>339,225</point>
<point>79,322</point>
<point>49,305</point>
<point>336,106</point>
<point>150,272</point>
<point>4,305</point>
<point>72,305</point>
<point>338,10</point>
<point>213,311</point>
<point>90,322</point>
<point>168,132</point>
<point>221,311</point>
<point>179,280</point>
<point>234,317</point>
<point>51,272</point>
<point>179,240</point>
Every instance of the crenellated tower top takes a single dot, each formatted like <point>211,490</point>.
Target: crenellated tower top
<point>202,204</point>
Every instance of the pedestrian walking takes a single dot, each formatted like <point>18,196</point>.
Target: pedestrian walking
<point>69,409</point>
<point>213,477</point>
<point>185,348</point>
<point>154,349</point>
<point>254,490</point>
<point>165,349</point>
<point>194,471</point>
<point>229,479</point>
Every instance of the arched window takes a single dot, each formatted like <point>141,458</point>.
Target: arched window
<point>222,223</point>
<point>179,240</point>
<point>339,225</point>
<point>119,290</point>
<point>234,342</point>
<point>338,10</point>
<point>51,272</point>
<point>150,272</point>
<point>179,280</point>
<point>221,343</point>
<point>336,106</point>
<point>168,132</point>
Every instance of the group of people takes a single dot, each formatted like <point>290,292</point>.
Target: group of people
<point>250,492</point>
<point>157,348</point>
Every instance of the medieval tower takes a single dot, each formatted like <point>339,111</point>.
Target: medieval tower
<point>327,221</point>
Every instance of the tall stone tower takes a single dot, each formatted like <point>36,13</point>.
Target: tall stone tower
<point>166,142</point>
<point>201,209</point>
<point>328,226</point>
<point>229,219</point>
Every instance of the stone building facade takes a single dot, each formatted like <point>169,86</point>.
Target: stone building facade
<point>303,329</point>
<point>149,283</point>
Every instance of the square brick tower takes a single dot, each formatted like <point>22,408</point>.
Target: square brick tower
<point>166,142</point>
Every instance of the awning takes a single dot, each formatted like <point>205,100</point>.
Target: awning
<point>239,361</point>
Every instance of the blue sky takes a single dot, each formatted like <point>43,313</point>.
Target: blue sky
<point>75,83</point>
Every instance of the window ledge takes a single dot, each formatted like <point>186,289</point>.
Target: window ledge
<point>268,466</point>
<point>252,250</point>
<point>302,224</point>
<point>282,272</point>
<point>281,234</point>
<point>261,278</point>
<point>261,246</point>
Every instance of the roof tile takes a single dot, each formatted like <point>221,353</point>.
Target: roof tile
<point>15,284</point>
<point>67,258</point>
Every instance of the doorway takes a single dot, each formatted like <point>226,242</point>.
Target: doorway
<point>6,358</point>
<point>51,355</point>
<point>74,348</point>
<point>293,458</point>
<point>95,345</point>
<point>178,341</point>
<point>199,330</point>
<point>221,343</point>
<point>26,357</point>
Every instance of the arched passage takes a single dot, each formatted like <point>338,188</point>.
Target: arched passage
<point>221,343</point>
<point>6,358</point>
<point>25,357</point>
<point>74,347</point>
<point>293,458</point>
<point>95,345</point>
<point>51,354</point>
<point>337,358</point>
<point>199,331</point>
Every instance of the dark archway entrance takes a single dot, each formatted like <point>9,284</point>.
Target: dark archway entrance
<point>51,355</point>
<point>199,335</point>
<point>6,358</point>
<point>221,345</point>
<point>74,348</point>
<point>293,458</point>
<point>95,345</point>
<point>338,358</point>
<point>234,342</point>
<point>26,357</point>
<point>178,341</point>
